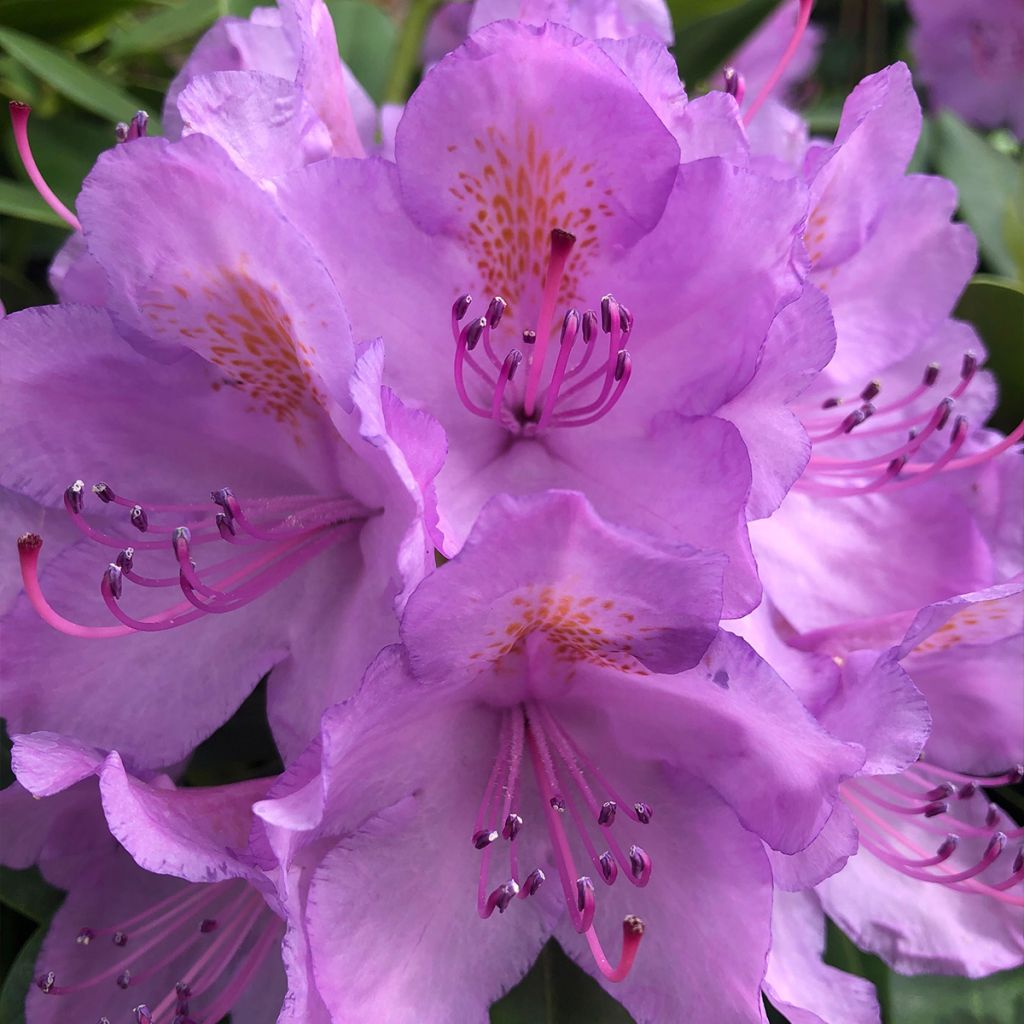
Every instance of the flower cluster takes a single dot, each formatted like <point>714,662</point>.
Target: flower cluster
<point>731,600</point>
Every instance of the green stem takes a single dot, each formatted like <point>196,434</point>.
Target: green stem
<point>407,50</point>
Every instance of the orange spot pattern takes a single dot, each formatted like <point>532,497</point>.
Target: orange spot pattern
<point>242,327</point>
<point>982,623</point>
<point>512,192</point>
<point>584,629</point>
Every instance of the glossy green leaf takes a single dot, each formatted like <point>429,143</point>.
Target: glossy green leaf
<point>930,999</point>
<point>366,42</point>
<point>18,981</point>
<point>163,28</point>
<point>22,201</point>
<point>702,46</point>
<point>989,185</point>
<point>29,894</point>
<point>71,78</point>
<point>995,306</point>
<point>556,991</point>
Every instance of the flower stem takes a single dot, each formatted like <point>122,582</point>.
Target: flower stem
<point>407,50</point>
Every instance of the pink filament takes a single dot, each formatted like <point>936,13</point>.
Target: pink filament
<point>803,18</point>
<point>19,119</point>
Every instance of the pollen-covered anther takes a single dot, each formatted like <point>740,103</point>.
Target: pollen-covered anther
<point>513,823</point>
<point>485,838</point>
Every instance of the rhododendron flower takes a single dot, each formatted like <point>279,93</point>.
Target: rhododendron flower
<point>230,502</point>
<point>188,931</point>
<point>970,55</point>
<point>564,738</point>
<point>504,190</point>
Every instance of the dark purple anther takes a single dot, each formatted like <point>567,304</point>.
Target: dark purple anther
<point>104,492</point>
<point>948,845</point>
<point>1018,861</point>
<point>996,845</point>
<point>621,364</point>
<point>607,813</point>
<point>644,812</point>
<point>120,939</point>
<point>46,982</point>
<point>495,311</point>
<point>140,123</point>
<point>182,994</point>
<point>143,1014</point>
<point>609,868</point>
<point>606,314</point>
<point>534,880</point>
<point>181,539</point>
<point>125,559</point>
<point>992,816</point>
<point>831,403</point>
<point>504,895</point>
<point>639,862</point>
<point>513,823</point>
<point>947,407</point>
<point>931,375</point>
<point>583,886</point>
<point>941,792</point>
<point>570,326</point>
<point>1015,775</point>
<point>853,419</point>
<point>474,332</point>
<point>115,581</point>
<point>138,518</point>
<point>969,365</point>
<point>872,390</point>
<point>461,306</point>
<point>625,318</point>
<point>968,790</point>
<point>207,925</point>
<point>589,325</point>
<point>734,84</point>
<point>85,936</point>
<point>225,525</point>
<point>959,429</point>
<point>558,803</point>
<point>514,358</point>
<point>529,337</point>
<point>124,979</point>
<point>934,810</point>
<point>74,497</point>
<point>484,838</point>
<point>895,467</point>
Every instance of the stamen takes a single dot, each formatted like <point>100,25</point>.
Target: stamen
<point>735,85</point>
<point>540,409</point>
<point>632,933</point>
<point>19,119</point>
<point>803,18</point>
<point>136,129</point>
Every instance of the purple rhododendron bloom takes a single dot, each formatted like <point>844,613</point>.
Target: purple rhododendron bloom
<point>183,926</point>
<point>507,188</point>
<point>320,478</point>
<point>562,691</point>
<point>970,54</point>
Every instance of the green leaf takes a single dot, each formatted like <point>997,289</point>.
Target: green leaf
<point>23,201</point>
<point>366,41</point>
<point>989,185</point>
<point>162,29</point>
<point>74,80</point>
<point>55,20</point>
<point>995,306</point>
<point>556,991</point>
<point>29,894</point>
<point>19,980</point>
<point>929,999</point>
<point>702,46</point>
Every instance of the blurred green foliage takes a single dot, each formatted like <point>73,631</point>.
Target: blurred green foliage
<point>84,66</point>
